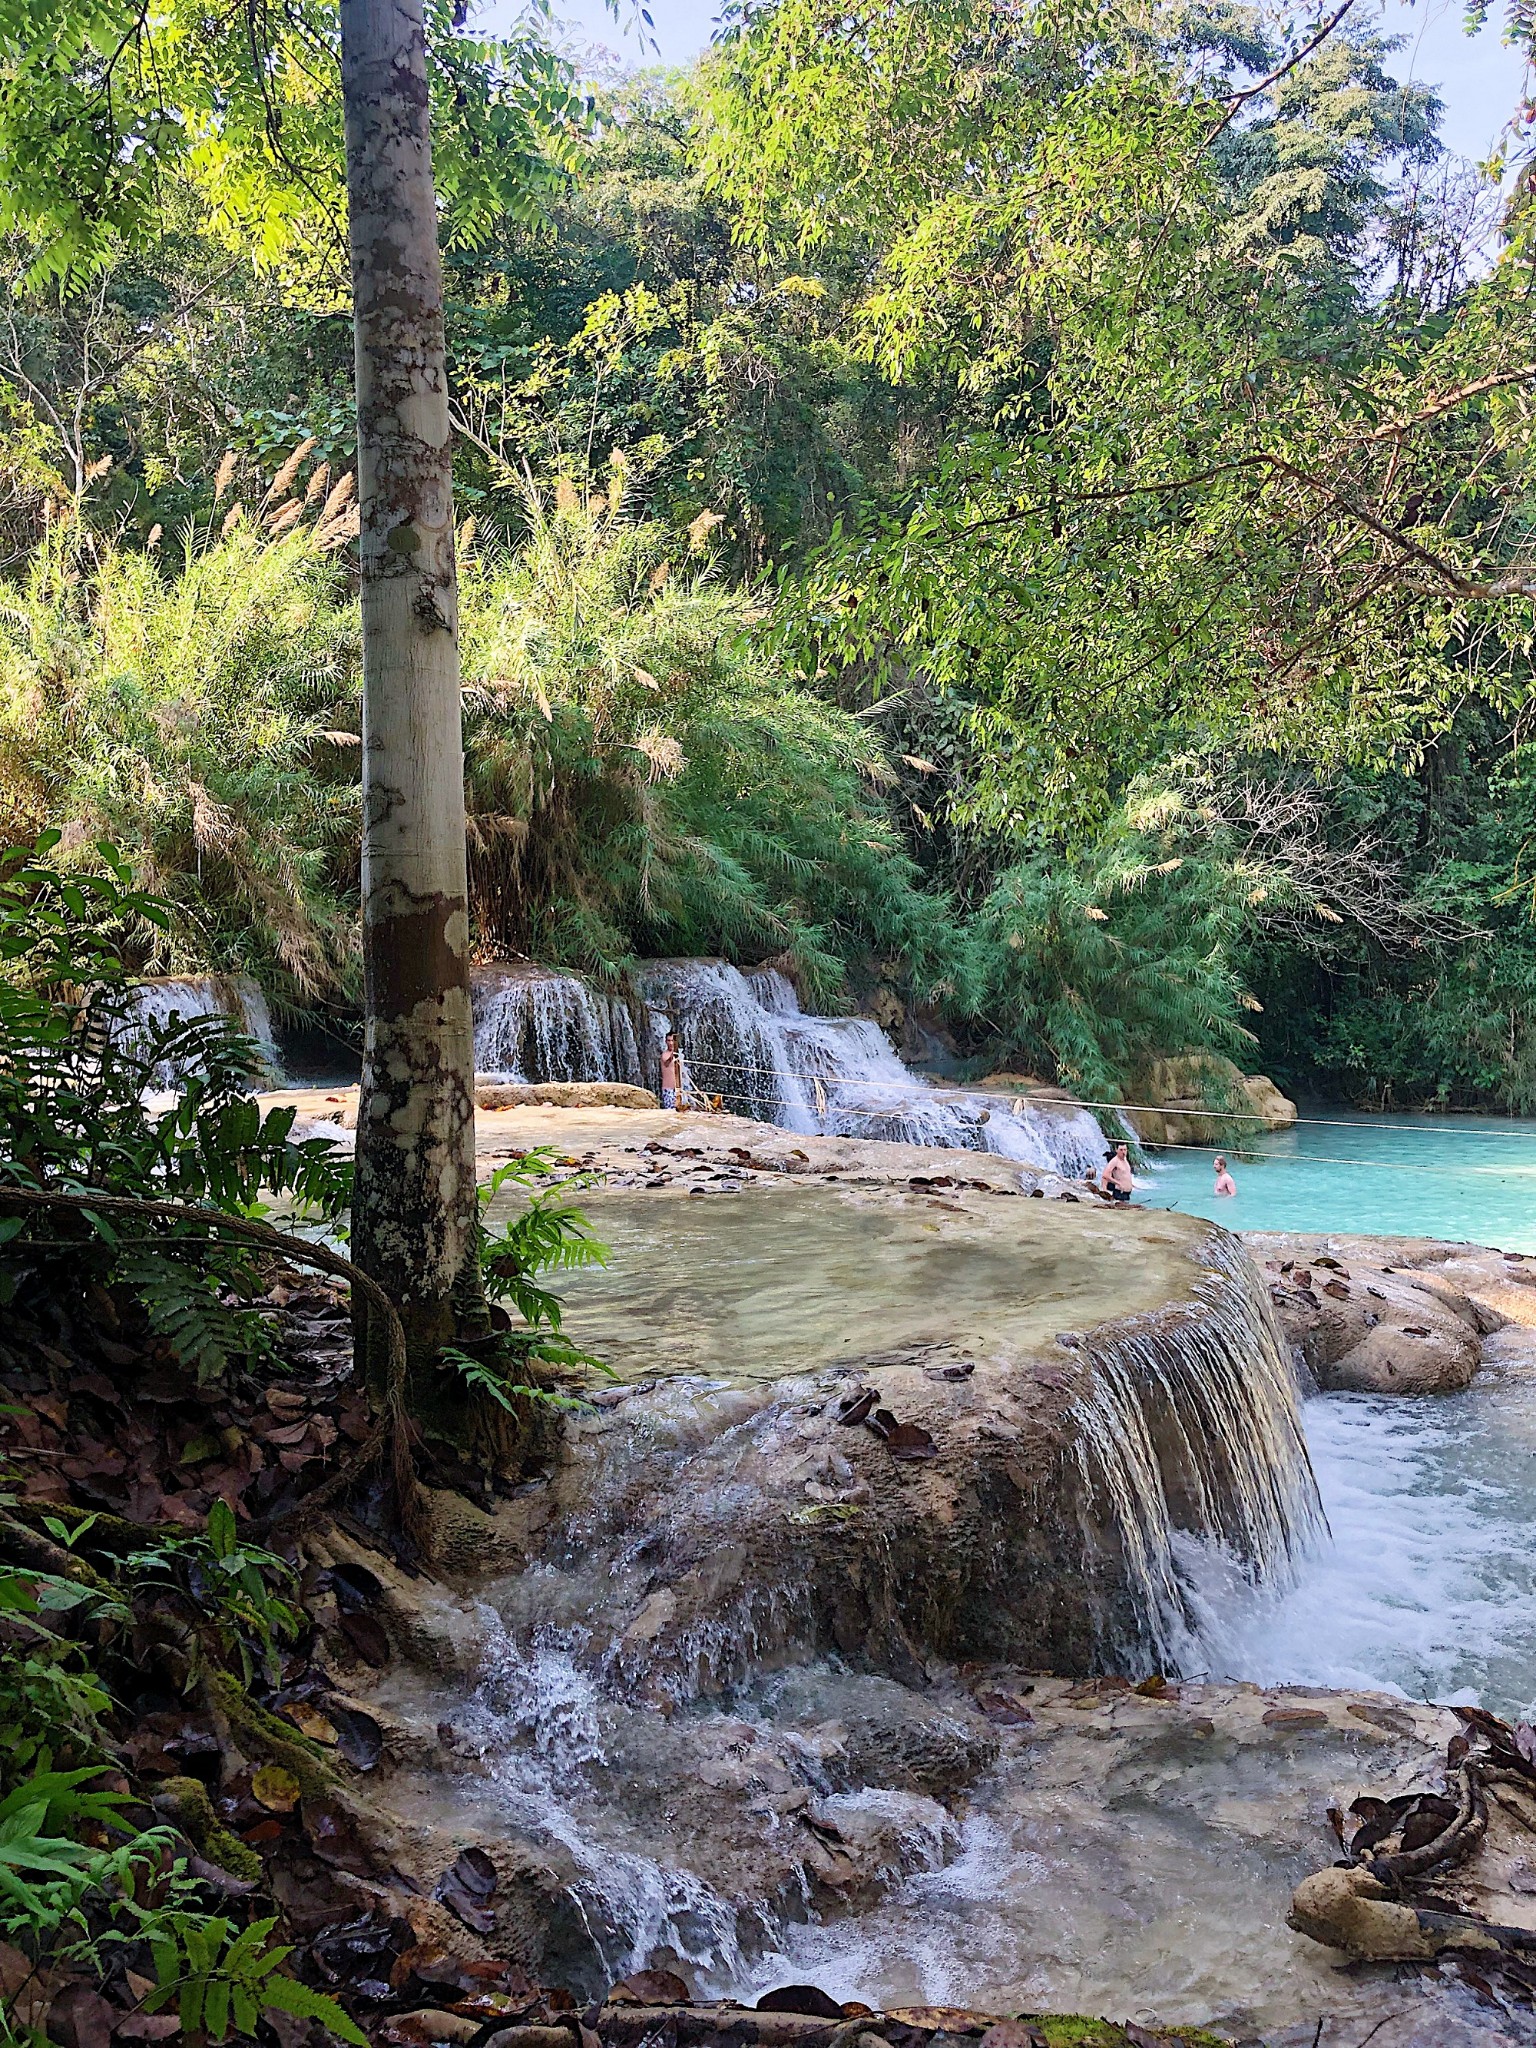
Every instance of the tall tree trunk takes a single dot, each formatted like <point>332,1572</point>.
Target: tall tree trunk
<point>414,1208</point>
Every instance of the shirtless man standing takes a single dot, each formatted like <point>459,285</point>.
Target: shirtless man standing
<point>1225,1184</point>
<point>1116,1179</point>
<point>671,1072</point>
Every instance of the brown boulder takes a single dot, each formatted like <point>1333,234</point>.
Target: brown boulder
<point>1413,1359</point>
<point>1183,1100</point>
<point>1349,1910</point>
<point>1363,1325</point>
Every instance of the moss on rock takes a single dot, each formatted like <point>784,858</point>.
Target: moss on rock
<point>1074,2030</point>
<point>185,1803</point>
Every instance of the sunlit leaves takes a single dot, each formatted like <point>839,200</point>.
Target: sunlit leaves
<point>103,101</point>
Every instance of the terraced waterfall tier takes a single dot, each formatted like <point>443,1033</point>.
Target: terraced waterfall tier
<point>735,1670</point>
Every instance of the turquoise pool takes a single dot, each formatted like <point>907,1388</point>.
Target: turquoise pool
<point>1468,1178</point>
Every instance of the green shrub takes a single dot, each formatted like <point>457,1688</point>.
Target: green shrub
<point>641,778</point>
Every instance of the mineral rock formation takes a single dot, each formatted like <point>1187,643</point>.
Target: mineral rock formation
<point>1390,1315</point>
<point>1182,1093</point>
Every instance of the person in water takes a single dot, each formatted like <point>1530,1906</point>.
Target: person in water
<point>671,1072</point>
<point>1225,1184</point>
<point>1116,1178</point>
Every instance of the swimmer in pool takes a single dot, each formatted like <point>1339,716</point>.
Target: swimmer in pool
<point>1225,1184</point>
<point>1116,1179</point>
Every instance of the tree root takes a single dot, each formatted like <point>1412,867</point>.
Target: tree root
<point>247,1730</point>
<point>1458,1841</point>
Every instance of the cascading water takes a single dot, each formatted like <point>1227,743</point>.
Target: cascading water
<point>738,1324</point>
<point>1191,1436</point>
<point>535,1026</point>
<point>544,1731</point>
<point>745,1038</point>
<point>153,1007</point>
<point>714,1708</point>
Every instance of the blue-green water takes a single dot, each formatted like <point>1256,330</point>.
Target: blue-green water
<point>1466,1178</point>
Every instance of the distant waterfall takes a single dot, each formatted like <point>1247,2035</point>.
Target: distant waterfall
<point>152,1006</point>
<point>745,1038</point>
<point>534,1026</point>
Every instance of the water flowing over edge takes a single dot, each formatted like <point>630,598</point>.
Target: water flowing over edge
<point>156,1004</point>
<point>1191,1434</point>
<point>1179,1431</point>
<point>745,1039</point>
<point>1187,1440</point>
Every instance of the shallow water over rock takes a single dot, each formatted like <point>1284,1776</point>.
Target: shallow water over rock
<point>768,1281</point>
<point>1086,1386</point>
<point>701,1695</point>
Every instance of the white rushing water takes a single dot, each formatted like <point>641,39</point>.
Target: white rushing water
<point>531,1025</point>
<point>537,1718</point>
<point>1427,1583</point>
<point>745,1038</point>
<point>1150,1883</point>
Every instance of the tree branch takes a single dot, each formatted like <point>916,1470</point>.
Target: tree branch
<point>1450,399</point>
<point>1240,99</point>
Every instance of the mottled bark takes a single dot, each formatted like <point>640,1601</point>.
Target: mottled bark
<point>413,1213</point>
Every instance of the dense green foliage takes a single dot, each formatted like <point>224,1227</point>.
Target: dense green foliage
<point>643,780</point>
<point>1009,505</point>
<point>640,776</point>
<point>92,1883</point>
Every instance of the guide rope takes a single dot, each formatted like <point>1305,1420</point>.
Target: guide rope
<point>819,1085</point>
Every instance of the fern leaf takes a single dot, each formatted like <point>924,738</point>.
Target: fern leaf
<point>287,1994</point>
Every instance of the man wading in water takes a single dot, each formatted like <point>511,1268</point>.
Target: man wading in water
<point>1116,1178</point>
<point>1225,1184</point>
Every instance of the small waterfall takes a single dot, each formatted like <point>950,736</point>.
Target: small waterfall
<point>1065,1133</point>
<point>536,1718</point>
<point>153,1007</point>
<point>531,1025</point>
<point>696,1678</point>
<point>702,1510</point>
<point>1192,1431</point>
<point>745,1038</point>
<point>733,1046</point>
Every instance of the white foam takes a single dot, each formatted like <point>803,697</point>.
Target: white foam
<point>1426,1584</point>
<point>933,1938</point>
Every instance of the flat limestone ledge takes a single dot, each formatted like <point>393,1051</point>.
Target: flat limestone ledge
<point>632,1142</point>
<point>872,1418</point>
<point>766,1280</point>
<point>632,1146</point>
<point>1392,1315</point>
